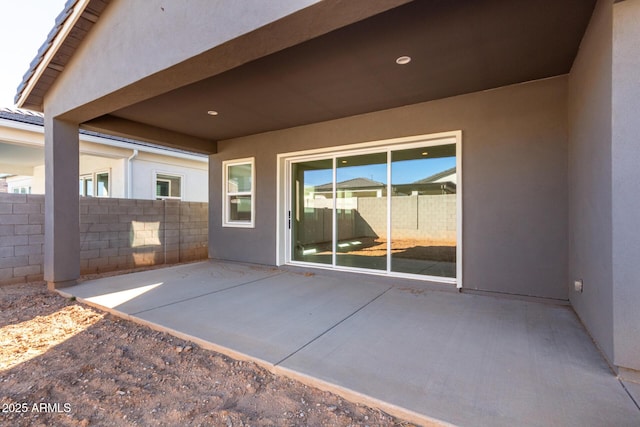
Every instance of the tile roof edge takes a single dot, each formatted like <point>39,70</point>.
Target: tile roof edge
<point>44,48</point>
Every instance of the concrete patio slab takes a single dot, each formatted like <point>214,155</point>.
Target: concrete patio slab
<point>471,360</point>
<point>634,390</point>
<point>464,359</point>
<point>268,319</point>
<point>156,288</point>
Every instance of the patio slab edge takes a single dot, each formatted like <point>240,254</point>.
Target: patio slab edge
<point>208,345</point>
<point>345,393</point>
<point>361,398</point>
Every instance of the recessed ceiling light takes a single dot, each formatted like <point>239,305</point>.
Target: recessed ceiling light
<point>403,60</point>
<point>424,153</point>
<point>344,161</point>
<point>212,113</point>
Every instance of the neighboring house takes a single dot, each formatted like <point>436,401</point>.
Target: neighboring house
<point>4,187</point>
<point>355,187</point>
<point>109,166</point>
<point>536,102</point>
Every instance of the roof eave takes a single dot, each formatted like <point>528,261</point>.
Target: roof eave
<point>64,24</point>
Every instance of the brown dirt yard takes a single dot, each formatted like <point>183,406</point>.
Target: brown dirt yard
<point>66,364</point>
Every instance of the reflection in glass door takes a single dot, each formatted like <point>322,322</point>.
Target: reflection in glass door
<point>391,209</point>
<point>361,211</point>
<point>311,214</point>
<point>423,211</point>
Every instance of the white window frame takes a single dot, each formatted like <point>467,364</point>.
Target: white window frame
<point>172,175</point>
<point>19,189</point>
<point>84,178</point>
<point>94,183</point>
<point>226,206</point>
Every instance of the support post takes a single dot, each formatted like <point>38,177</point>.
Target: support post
<point>62,216</point>
<point>214,201</point>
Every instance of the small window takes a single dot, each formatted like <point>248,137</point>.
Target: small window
<point>95,185</point>
<point>102,184</point>
<point>86,185</point>
<point>168,187</point>
<point>239,193</point>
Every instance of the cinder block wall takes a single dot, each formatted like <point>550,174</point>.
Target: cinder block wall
<point>431,218</point>
<point>21,237</point>
<point>115,234</point>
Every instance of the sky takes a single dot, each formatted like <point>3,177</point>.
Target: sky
<point>411,171</point>
<point>24,26</point>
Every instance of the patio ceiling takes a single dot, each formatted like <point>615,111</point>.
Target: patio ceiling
<point>18,159</point>
<point>456,47</point>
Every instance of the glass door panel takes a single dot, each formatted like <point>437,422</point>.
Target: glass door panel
<point>311,212</point>
<point>361,211</point>
<point>423,211</point>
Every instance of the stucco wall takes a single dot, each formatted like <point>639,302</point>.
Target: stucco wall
<point>115,167</point>
<point>176,45</point>
<point>590,178</point>
<point>159,34</point>
<point>626,185</point>
<point>514,143</point>
<point>114,234</point>
<point>37,184</point>
<point>194,175</point>
<point>194,180</point>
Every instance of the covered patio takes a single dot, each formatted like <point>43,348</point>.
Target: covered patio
<point>533,103</point>
<point>420,352</point>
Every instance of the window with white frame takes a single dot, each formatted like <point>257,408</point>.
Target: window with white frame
<point>95,184</point>
<point>86,185</point>
<point>168,187</point>
<point>238,190</point>
<point>21,190</point>
<point>102,184</point>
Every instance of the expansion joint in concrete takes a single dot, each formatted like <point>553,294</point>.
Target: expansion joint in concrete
<point>332,327</point>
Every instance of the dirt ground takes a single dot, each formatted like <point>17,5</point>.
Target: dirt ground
<point>66,364</point>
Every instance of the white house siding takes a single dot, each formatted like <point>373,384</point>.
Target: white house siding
<point>194,177</point>
<point>116,168</point>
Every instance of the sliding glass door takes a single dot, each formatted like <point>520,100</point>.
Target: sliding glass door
<point>391,210</point>
<point>361,211</point>
<point>423,211</point>
<point>311,214</point>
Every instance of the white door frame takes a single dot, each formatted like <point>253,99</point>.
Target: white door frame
<point>283,195</point>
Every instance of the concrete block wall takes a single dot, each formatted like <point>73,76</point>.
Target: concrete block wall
<point>21,237</point>
<point>115,234</point>
<point>431,218</point>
